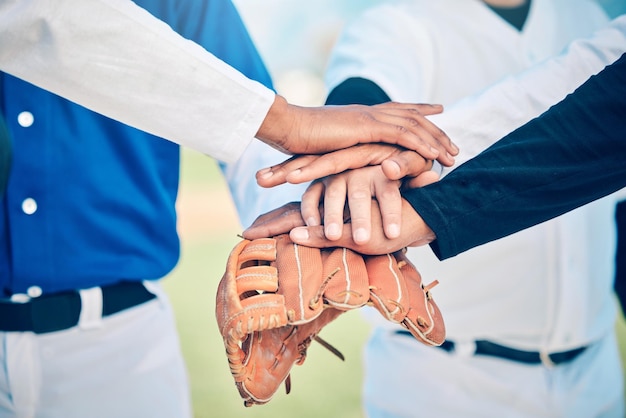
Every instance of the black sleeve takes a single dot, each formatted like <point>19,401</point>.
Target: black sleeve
<point>620,254</point>
<point>357,91</point>
<point>571,155</point>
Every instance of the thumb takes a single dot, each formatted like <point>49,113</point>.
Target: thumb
<point>313,236</point>
<point>422,180</point>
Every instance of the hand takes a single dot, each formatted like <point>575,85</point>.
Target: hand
<point>324,201</point>
<point>397,163</point>
<point>358,187</point>
<point>414,231</point>
<point>305,130</point>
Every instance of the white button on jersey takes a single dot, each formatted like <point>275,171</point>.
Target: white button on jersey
<point>29,206</point>
<point>25,119</point>
<point>34,291</point>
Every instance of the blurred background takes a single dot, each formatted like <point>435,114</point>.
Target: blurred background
<point>294,39</point>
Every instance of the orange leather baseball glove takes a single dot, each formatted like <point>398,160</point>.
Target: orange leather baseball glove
<point>276,296</point>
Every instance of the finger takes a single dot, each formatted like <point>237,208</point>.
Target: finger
<point>415,232</point>
<point>360,204</point>
<point>334,203</point>
<point>277,221</point>
<point>277,174</point>
<point>405,164</point>
<point>311,167</point>
<point>399,130</point>
<point>339,161</point>
<point>438,134</point>
<point>390,202</point>
<point>429,109</point>
<point>311,199</point>
<point>314,236</point>
<point>435,136</point>
<point>285,210</point>
<point>422,108</point>
<point>336,162</point>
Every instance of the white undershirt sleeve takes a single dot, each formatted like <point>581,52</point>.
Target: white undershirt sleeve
<point>115,58</point>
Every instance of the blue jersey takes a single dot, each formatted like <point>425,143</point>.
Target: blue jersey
<point>91,201</point>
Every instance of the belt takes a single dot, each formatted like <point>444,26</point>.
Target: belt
<point>59,311</point>
<point>487,348</point>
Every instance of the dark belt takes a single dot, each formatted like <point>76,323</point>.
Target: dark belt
<point>487,348</point>
<point>59,311</point>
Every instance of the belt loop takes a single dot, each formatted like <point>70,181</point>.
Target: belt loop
<point>464,348</point>
<point>91,308</point>
<point>546,360</point>
<point>154,287</point>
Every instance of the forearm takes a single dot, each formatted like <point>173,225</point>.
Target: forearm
<point>250,199</point>
<point>115,58</point>
<point>477,122</point>
<point>571,155</point>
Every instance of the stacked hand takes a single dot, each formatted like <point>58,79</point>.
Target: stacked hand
<point>276,295</point>
<point>358,208</point>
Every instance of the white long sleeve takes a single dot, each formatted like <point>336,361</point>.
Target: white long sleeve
<point>115,58</point>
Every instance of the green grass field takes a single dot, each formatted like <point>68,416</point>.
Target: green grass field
<point>323,386</point>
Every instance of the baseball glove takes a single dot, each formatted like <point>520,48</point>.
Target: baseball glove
<point>276,296</point>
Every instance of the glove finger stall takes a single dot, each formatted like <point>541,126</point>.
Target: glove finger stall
<point>424,318</point>
<point>388,290</point>
<point>347,284</point>
<point>300,272</point>
<point>257,279</point>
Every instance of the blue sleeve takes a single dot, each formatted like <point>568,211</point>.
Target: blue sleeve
<point>620,254</point>
<point>5,154</point>
<point>571,155</point>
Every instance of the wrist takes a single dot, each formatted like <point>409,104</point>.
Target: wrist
<point>421,233</point>
<point>273,131</point>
